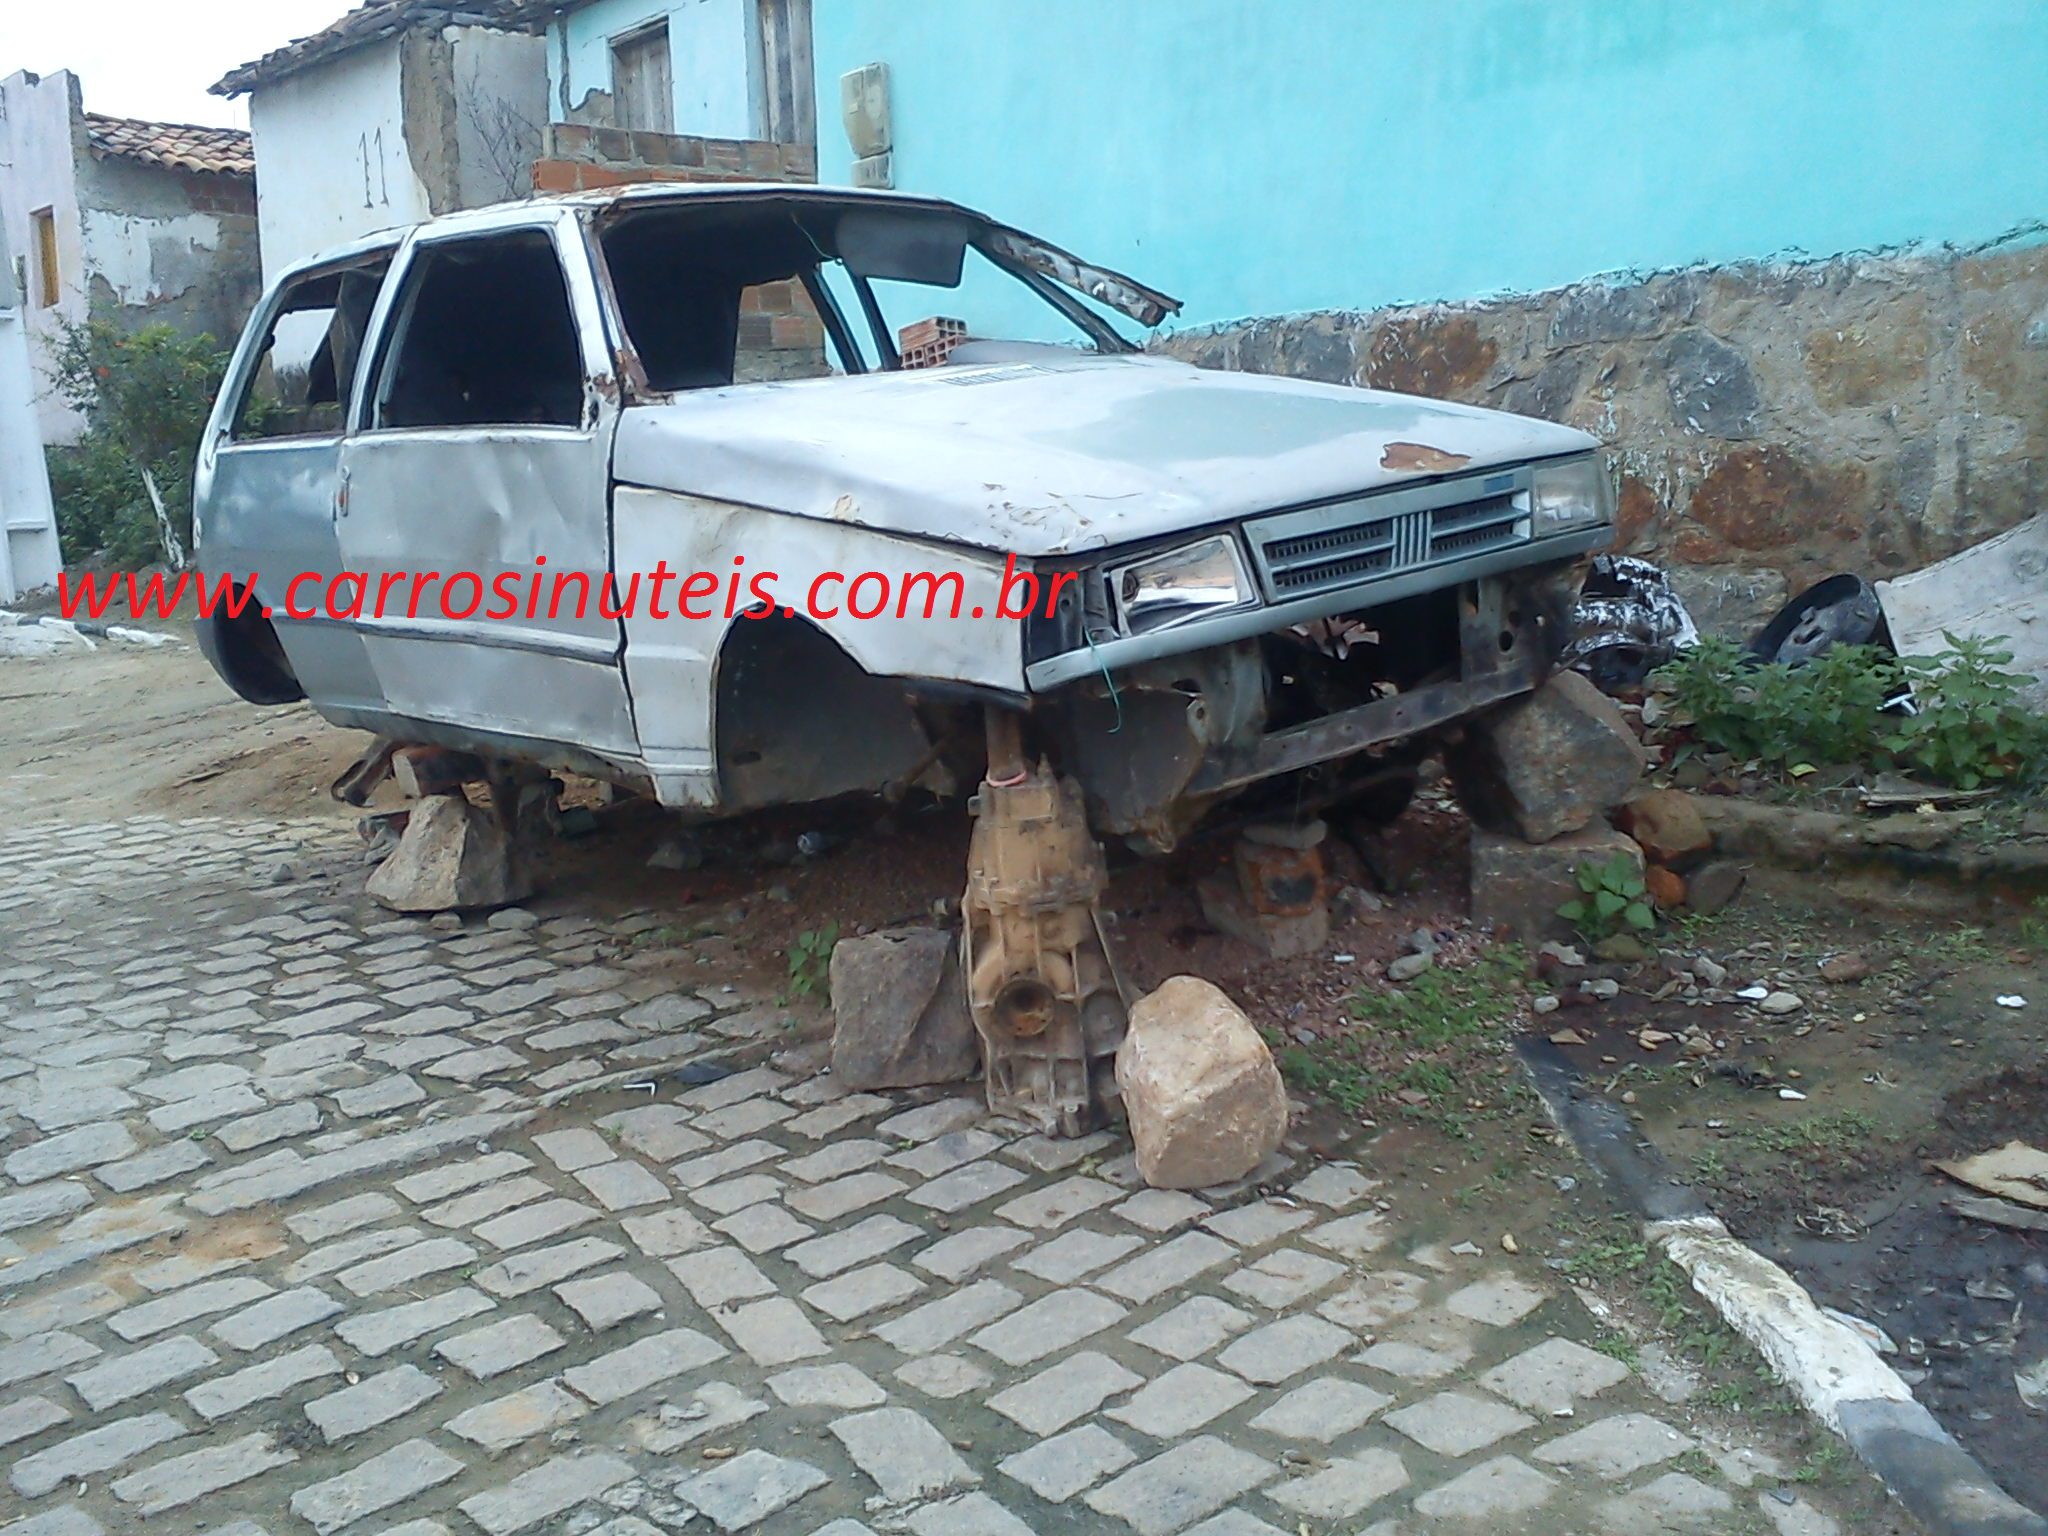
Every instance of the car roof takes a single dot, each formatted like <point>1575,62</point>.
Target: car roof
<point>536,209</point>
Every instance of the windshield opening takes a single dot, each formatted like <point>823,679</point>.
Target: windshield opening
<point>772,289</point>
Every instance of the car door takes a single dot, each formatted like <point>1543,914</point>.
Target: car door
<point>269,472</point>
<point>475,499</point>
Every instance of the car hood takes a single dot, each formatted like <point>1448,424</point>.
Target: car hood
<point>1042,451</point>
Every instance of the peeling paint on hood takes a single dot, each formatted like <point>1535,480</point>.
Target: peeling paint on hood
<point>1062,452</point>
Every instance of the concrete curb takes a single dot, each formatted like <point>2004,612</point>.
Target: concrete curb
<point>1839,1378</point>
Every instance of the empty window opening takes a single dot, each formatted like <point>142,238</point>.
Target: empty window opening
<point>308,361</point>
<point>488,338</point>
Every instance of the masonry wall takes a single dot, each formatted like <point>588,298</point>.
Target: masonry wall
<point>170,247</point>
<point>42,136</point>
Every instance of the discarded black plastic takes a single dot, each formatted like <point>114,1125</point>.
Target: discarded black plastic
<point>1843,610</point>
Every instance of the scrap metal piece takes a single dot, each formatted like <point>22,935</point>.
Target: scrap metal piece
<point>1992,590</point>
<point>360,779</point>
<point>1044,994</point>
<point>1629,621</point>
<point>1842,610</point>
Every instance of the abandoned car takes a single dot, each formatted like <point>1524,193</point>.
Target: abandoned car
<point>763,391</point>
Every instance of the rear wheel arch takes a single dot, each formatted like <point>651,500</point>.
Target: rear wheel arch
<point>244,649</point>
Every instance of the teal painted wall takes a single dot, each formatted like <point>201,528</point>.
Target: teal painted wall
<point>1260,157</point>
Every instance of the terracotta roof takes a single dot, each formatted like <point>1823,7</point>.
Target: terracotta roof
<point>370,22</point>
<point>178,146</point>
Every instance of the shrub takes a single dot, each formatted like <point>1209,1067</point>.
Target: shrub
<point>1965,724</point>
<point>1612,899</point>
<point>145,396</point>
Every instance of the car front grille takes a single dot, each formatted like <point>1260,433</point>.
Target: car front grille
<point>1313,550</point>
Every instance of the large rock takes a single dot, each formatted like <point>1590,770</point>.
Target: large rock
<point>899,1011</point>
<point>1548,764</point>
<point>451,855</point>
<point>1205,1101</point>
<point>1518,886</point>
<point>1667,825</point>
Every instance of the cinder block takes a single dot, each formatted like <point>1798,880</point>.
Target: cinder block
<point>1518,886</point>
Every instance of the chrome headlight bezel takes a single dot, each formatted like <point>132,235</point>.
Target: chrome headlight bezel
<point>1570,494</point>
<point>1181,585</point>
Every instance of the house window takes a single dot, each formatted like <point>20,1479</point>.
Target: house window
<point>49,286</point>
<point>788,109</point>
<point>643,88</point>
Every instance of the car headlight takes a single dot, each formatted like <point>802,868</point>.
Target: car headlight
<point>1574,494</point>
<point>1178,585</point>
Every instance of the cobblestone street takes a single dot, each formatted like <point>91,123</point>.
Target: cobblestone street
<point>320,1219</point>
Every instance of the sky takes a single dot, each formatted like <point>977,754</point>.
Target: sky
<point>155,58</point>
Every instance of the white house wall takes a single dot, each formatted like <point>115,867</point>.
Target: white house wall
<point>38,170</point>
<point>331,156</point>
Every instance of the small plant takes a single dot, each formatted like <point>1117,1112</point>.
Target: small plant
<point>810,960</point>
<point>2034,927</point>
<point>1612,899</point>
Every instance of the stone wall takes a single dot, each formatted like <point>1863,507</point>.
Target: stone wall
<point>1771,423</point>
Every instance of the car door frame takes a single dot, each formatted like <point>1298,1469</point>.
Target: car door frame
<point>553,694</point>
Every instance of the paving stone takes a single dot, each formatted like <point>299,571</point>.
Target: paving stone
<point>143,1370</point>
<point>1283,1277</point>
<point>1235,1522</point>
<point>900,1451</point>
<point>772,1332</point>
<point>1193,1328</point>
<point>27,1417</point>
<point>1073,1255</point>
<point>573,1149</point>
<point>762,1228</point>
<point>450,1179</point>
<point>260,1130</point>
<point>403,1472</point>
<point>492,1200</point>
<point>408,1266</point>
<point>379,1098</point>
<point>45,1202</point>
<point>275,1317</point>
<point>69,1151</point>
<point>1491,1491</point>
<point>1496,1301</point>
<point>179,1481</point>
<point>41,1353</point>
<point>94,1452</point>
<point>836,1160</point>
<point>1258,1222</point>
<point>826,1386</point>
<point>1375,1301</point>
<point>1336,1185</point>
<point>841,1197</point>
<point>500,1347</point>
<point>1410,1361</point>
<point>55,1310</point>
<point>506,1421</point>
<point>604,1301</point>
<point>1322,1410</point>
<point>1553,1376</point>
<point>938,1323</point>
<point>946,1152</point>
<point>1058,1468</point>
<point>523,1272</point>
<point>932,1120</point>
<point>967,1185</point>
<point>1352,1237</point>
<point>1457,1423</point>
<point>372,1401</point>
<point>663,1234</point>
<point>659,1131</point>
<point>970,1514</point>
<point>350,1250</point>
<point>1062,1393</point>
<point>67,1520</point>
<point>720,1276</point>
<point>1346,1487</point>
<point>159,1165</point>
<point>698,1172</point>
<point>1161,1210</point>
<point>622,1185</point>
<point>1286,1348</point>
<point>186,1269</point>
<point>534,1223</point>
<point>1055,1205</point>
<point>223,1395</point>
<point>377,1333</point>
<point>182,1115</point>
<point>944,1376</point>
<point>737,1494</point>
<point>1048,1325</point>
<point>644,1363</point>
<point>958,1256</point>
<point>741,1120</point>
<point>181,1307</point>
<point>1184,1399</point>
<point>1167,1267</point>
<point>863,1291</point>
<point>550,1489</point>
<point>1617,1446</point>
<point>1180,1486</point>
